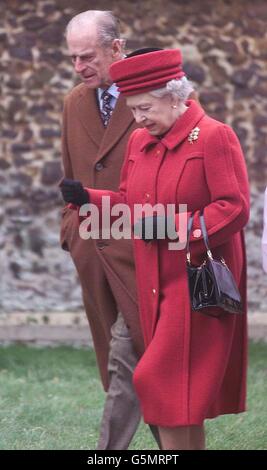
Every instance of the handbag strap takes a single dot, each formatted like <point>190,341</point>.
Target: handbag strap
<point>204,232</point>
<point>189,229</point>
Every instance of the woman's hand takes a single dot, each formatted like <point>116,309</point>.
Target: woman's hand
<point>73,191</point>
<point>156,227</point>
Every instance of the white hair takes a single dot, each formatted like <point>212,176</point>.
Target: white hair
<point>108,25</point>
<point>180,88</point>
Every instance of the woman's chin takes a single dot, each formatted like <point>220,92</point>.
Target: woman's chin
<point>152,130</point>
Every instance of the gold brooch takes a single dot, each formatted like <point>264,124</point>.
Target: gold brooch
<point>193,135</point>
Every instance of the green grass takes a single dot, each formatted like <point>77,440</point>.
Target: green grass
<point>53,399</point>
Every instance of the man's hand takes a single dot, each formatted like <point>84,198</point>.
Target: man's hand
<point>73,191</point>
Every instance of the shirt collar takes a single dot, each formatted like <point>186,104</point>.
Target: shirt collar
<point>180,130</point>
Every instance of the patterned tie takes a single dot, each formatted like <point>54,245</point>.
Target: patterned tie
<point>106,108</point>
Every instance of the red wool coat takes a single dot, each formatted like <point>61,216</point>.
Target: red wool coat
<point>194,366</point>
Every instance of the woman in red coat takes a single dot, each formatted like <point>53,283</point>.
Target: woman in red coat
<point>194,365</point>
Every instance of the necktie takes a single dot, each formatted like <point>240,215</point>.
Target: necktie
<point>106,108</point>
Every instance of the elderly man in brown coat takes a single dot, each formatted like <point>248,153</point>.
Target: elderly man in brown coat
<point>96,127</point>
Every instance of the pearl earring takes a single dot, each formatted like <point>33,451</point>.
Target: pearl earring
<point>174,106</point>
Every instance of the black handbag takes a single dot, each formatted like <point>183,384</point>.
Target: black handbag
<point>211,284</point>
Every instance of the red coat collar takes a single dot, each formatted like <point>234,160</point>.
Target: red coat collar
<point>179,131</point>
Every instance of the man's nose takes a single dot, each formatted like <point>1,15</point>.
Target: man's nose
<point>79,66</point>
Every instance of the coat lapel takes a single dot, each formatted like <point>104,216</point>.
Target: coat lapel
<point>89,115</point>
<point>184,125</point>
<point>120,121</point>
<point>179,131</point>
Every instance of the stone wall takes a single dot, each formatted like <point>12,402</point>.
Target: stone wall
<point>224,44</point>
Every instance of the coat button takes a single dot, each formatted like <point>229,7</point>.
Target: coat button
<point>154,291</point>
<point>197,233</point>
<point>147,195</point>
<point>157,153</point>
<point>99,166</point>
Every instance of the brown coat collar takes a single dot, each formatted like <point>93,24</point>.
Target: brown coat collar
<point>89,115</point>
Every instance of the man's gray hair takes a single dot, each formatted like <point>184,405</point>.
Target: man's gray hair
<point>181,88</point>
<point>108,25</point>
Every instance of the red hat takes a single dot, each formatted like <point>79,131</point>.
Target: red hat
<point>145,72</point>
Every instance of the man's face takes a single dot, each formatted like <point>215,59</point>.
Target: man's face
<point>91,61</point>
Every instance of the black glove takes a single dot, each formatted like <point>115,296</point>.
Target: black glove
<point>155,227</point>
<point>72,191</point>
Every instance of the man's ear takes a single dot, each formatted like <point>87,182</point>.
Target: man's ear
<point>117,49</point>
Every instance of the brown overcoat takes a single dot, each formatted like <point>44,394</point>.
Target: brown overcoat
<point>94,156</point>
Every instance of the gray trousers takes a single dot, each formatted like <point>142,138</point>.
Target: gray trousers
<point>121,414</point>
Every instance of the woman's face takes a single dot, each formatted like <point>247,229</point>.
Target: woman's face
<point>157,115</point>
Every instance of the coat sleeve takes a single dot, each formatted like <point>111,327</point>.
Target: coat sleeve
<point>264,235</point>
<point>67,212</point>
<point>227,181</point>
